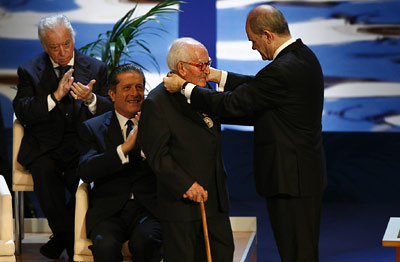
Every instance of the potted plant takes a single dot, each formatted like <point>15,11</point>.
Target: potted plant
<point>113,45</point>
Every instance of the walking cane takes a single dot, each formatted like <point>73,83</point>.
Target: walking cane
<point>205,229</point>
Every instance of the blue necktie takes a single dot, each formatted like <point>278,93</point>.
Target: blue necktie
<point>62,70</point>
<point>67,101</point>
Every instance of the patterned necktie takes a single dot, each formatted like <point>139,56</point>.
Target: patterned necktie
<point>62,70</point>
<point>67,101</point>
<point>129,125</point>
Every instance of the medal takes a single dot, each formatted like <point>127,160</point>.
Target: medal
<point>208,121</point>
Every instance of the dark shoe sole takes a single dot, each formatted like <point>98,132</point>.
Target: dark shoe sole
<point>49,254</point>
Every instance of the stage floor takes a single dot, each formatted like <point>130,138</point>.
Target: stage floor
<point>350,232</point>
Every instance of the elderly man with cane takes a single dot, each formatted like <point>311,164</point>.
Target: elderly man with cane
<point>285,98</point>
<point>182,147</point>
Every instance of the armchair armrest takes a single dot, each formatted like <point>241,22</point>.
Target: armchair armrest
<point>21,178</point>
<point>81,207</point>
<point>7,247</point>
<point>81,250</point>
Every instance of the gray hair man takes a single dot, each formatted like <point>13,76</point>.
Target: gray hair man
<point>57,90</point>
<point>285,99</point>
<point>182,147</point>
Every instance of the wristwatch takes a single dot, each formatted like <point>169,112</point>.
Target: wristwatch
<point>183,87</point>
<point>87,103</point>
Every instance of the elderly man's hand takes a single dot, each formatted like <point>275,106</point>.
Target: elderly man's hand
<point>64,86</point>
<point>196,193</point>
<point>173,83</point>
<point>82,92</point>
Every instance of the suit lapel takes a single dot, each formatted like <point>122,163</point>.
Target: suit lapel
<point>184,107</point>
<point>49,79</point>
<point>81,73</point>
<point>214,119</point>
<point>81,69</point>
<point>114,135</point>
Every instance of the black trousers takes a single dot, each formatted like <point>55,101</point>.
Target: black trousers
<point>54,174</point>
<point>184,241</point>
<point>295,223</point>
<point>133,223</point>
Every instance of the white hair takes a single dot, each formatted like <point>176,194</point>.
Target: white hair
<point>49,22</point>
<point>178,51</point>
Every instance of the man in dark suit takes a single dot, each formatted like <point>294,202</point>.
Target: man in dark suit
<point>122,201</point>
<point>285,99</point>
<point>5,167</point>
<point>50,105</point>
<point>182,147</point>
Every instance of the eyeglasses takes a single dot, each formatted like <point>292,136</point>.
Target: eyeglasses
<point>201,66</point>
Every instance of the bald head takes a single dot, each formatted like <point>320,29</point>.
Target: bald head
<point>267,17</point>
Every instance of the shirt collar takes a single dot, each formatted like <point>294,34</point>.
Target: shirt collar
<point>122,120</point>
<point>70,63</point>
<point>283,46</point>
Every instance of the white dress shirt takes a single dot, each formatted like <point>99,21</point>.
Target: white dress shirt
<point>224,75</point>
<point>50,102</point>
<point>122,123</point>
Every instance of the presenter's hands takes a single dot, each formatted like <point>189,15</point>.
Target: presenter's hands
<point>173,82</point>
<point>214,75</point>
<point>196,193</point>
<point>82,92</point>
<point>131,140</point>
<point>64,86</point>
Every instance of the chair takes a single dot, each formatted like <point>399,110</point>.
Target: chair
<point>21,181</point>
<point>81,250</point>
<point>7,247</point>
<point>244,232</point>
<point>391,238</point>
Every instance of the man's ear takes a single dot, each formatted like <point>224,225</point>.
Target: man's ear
<point>268,35</point>
<point>181,69</point>
<point>111,94</point>
<point>45,48</point>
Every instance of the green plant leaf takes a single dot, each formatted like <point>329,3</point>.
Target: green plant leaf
<point>127,36</point>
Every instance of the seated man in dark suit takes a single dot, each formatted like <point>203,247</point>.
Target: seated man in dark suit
<point>122,201</point>
<point>57,91</point>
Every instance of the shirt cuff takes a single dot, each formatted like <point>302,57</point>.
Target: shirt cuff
<point>222,82</point>
<point>93,106</point>
<point>50,103</point>
<point>124,159</point>
<point>188,91</point>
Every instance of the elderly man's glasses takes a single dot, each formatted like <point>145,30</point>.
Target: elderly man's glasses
<point>201,66</point>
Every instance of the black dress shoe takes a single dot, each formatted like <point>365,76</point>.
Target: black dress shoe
<point>69,244</point>
<point>54,247</point>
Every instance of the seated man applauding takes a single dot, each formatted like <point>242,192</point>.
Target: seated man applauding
<point>122,201</point>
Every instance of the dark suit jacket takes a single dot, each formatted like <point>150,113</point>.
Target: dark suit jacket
<point>286,100</point>
<point>181,149</point>
<point>113,181</point>
<point>43,129</point>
